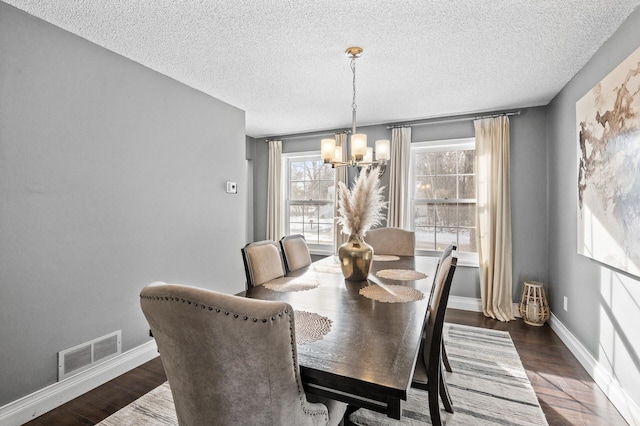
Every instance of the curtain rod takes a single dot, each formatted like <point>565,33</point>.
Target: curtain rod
<point>307,135</point>
<point>395,126</point>
<point>453,119</point>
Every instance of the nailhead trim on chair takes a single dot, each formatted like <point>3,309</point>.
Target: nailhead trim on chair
<point>301,399</point>
<point>211,308</point>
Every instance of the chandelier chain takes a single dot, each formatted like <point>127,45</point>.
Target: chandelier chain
<point>353,69</point>
<point>353,102</point>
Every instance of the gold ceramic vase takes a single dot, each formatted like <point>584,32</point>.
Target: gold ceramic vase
<point>355,258</point>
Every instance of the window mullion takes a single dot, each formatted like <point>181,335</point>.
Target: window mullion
<point>306,209</point>
<point>443,168</point>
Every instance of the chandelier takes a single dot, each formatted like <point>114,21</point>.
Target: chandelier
<point>361,155</point>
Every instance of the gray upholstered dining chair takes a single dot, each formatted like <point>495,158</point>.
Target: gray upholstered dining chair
<point>392,241</point>
<point>295,252</point>
<point>262,262</point>
<point>231,360</point>
<point>428,370</point>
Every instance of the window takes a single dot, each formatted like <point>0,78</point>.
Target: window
<point>309,199</point>
<point>444,195</point>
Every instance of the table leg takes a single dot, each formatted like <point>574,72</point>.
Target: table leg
<point>394,408</point>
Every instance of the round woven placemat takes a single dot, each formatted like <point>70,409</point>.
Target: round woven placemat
<point>385,257</point>
<point>392,293</point>
<point>401,274</point>
<point>284,284</point>
<point>333,268</point>
<point>310,327</point>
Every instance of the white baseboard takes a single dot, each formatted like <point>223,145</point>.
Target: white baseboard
<point>465,303</point>
<point>627,407</point>
<point>473,305</point>
<point>33,405</point>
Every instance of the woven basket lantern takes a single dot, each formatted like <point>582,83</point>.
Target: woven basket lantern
<point>534,307</point>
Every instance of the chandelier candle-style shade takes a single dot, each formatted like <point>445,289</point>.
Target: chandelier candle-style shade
<point>368,157</point>
<point>337,157</point>
<point>328,149</point>
<point>358,146</point>
<point>383,151</point>
<point>361,155</point>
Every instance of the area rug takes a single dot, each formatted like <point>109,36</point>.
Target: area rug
<point>488,386</point>
<point>153,409</point>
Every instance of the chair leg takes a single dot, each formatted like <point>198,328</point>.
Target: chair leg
<point>345,419</point>
<point>445,360</point>
<point>444,393</point>
<point>434,405</point>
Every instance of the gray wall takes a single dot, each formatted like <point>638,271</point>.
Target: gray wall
<point>528,191</point>
<point>111,176</point>
<point>528,197</point>
<point>250,144</point>
<point>604,304</point>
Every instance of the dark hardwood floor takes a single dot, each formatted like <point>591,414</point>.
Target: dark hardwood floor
<point>101,402</point>
<point>566,392</point>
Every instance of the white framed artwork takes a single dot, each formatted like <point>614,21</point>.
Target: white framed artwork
<point>608,128</point>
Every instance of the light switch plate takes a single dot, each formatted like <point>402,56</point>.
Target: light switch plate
<point>232,188</point>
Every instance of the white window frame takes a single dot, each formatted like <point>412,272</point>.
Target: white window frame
<point>287,158</point>
<point>464,258</point>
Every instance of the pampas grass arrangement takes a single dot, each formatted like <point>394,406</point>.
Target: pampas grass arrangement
<point>361,207</point>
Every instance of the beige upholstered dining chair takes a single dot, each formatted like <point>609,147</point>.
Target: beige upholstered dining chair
<point>295,252</point>
<point>428,370</point>
<point>392,241</point>
<point>231,360</point>
<point>262,262</point>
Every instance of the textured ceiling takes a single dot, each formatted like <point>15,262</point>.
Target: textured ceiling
<point>283,62</point>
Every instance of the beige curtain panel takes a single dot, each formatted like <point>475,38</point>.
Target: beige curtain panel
<point>397,210</point>
<point>340,176</point>
<point>494,216</point>
<point>274,198</point>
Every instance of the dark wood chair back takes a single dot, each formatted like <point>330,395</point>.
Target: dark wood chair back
<point>447,251</point>
<point>429,363</point>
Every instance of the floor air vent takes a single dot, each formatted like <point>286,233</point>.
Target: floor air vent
<point>85,355</point>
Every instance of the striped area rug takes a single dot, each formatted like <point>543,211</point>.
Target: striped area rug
<point>153,409</point>
<point>488,386</point>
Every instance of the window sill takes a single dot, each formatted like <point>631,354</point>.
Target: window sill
<point>468,260</point>
<point>321,251</point>
<point>468,263</point>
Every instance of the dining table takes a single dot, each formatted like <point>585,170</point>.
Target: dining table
<point>357,341</point>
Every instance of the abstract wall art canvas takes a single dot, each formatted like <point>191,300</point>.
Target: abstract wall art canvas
<point>608,126</point>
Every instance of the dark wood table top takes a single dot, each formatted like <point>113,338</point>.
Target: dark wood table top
<point>367,358</point>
